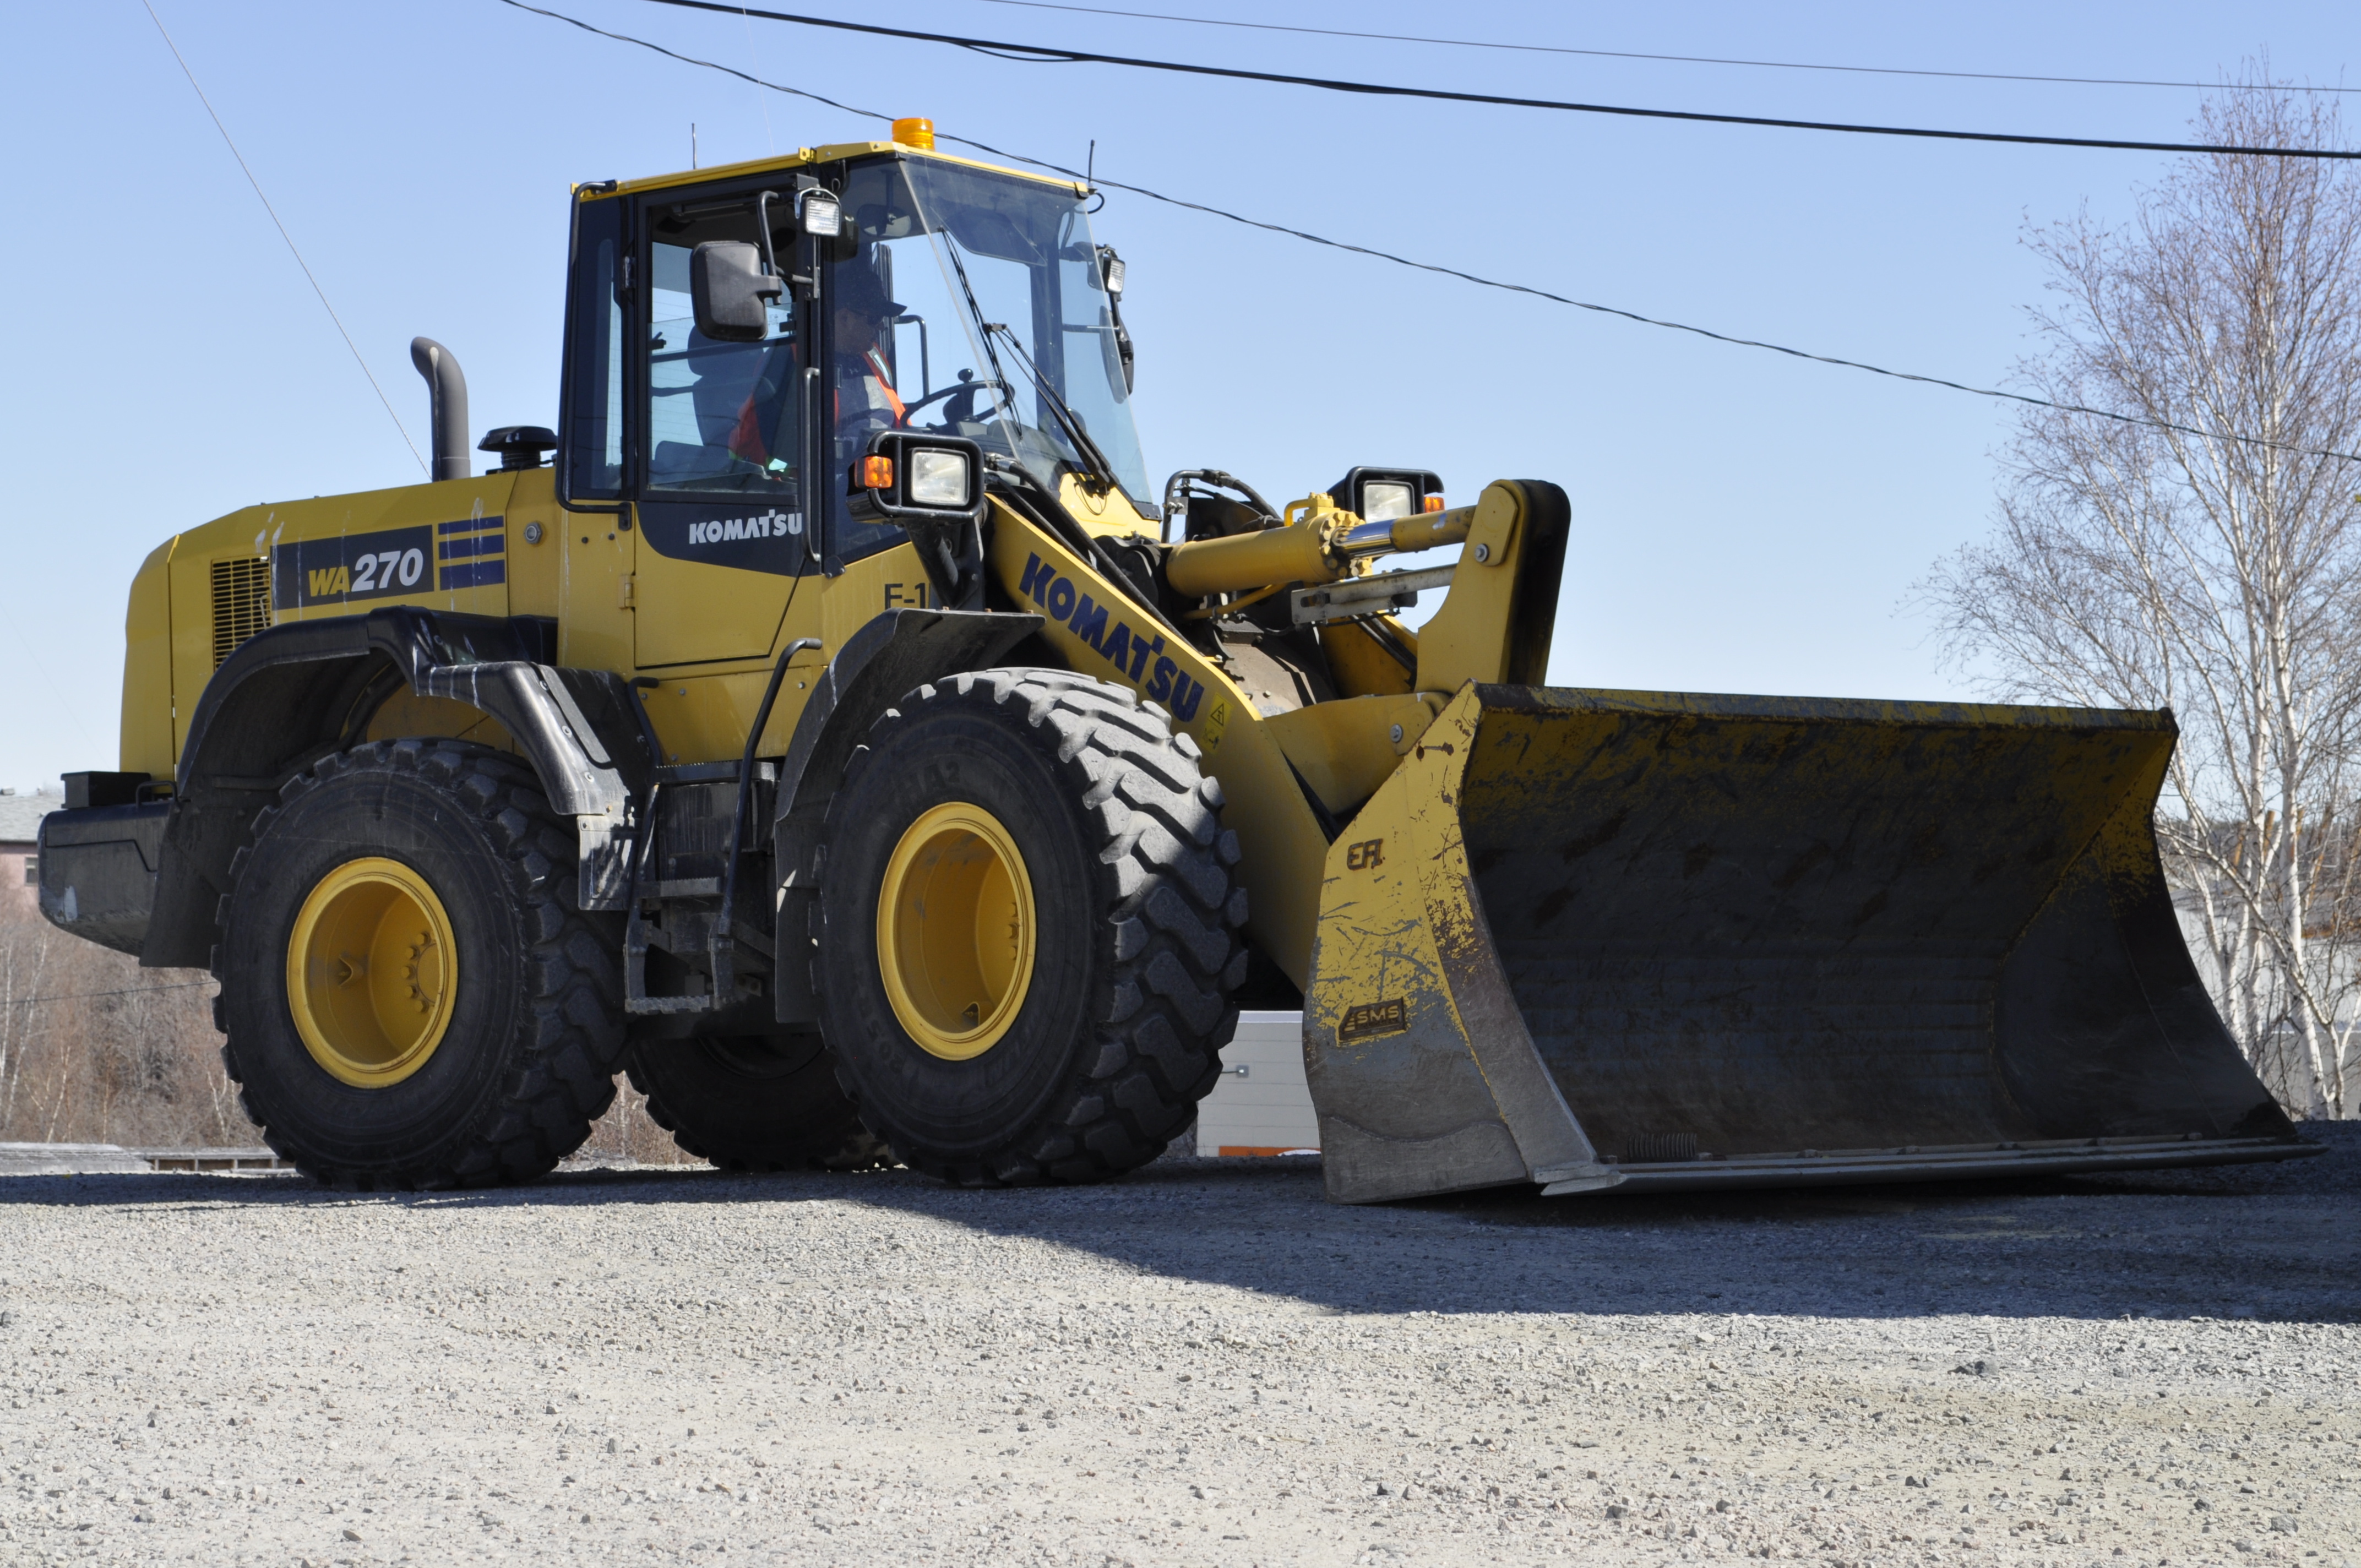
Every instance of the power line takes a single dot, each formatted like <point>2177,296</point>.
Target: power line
<point>1629,54</point>
<point>770,144</point>
<point>285,235</point>
<point>1452,272</point>
<point>1044,54</point>
<point>1716,337</point>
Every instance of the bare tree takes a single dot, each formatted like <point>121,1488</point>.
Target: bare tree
<point>2140,566</point>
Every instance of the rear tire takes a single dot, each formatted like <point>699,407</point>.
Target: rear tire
<point>521,991</point>
<point>1063,836</point>
<point>753,1102</point>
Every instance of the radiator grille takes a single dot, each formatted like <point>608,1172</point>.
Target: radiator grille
<point>241,603</point>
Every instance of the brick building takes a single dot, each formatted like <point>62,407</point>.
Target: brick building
<point>20,827</point>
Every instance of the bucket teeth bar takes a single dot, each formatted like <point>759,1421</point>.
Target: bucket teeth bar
<point>1836,1167</point>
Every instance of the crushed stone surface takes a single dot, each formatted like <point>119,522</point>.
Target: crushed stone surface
<point>1202,1363</point>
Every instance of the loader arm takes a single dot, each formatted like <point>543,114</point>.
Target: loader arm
<point>1494,625</point>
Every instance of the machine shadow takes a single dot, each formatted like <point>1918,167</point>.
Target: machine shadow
<point>2261,1243</point>
<point>2248,1242</point>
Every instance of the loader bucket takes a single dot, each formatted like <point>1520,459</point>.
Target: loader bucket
<point>1638,940</point>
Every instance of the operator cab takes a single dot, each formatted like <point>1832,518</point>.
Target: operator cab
<point>747,336</point>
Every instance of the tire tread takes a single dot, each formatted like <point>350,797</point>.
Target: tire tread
<point>565,1077</point>
<point>1172,911</point>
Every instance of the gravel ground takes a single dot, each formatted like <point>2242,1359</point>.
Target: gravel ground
<point>1203,1364</point>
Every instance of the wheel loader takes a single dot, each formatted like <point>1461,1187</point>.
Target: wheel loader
<point>829,725</point>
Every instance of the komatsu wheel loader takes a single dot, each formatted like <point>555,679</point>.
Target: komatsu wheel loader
<point>842,736</point>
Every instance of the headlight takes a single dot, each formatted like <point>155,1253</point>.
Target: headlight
<point>918,478</point>
<point>938,479</point>
<point>1382,500</point>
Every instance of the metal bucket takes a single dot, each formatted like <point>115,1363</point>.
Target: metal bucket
<point>1685,940</point>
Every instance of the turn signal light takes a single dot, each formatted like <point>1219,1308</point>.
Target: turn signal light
<point>876,472</point>
<point>1435,503</point>
<point>915,132</point>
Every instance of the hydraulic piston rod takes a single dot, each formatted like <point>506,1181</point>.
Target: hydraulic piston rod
<point>1321,547</point>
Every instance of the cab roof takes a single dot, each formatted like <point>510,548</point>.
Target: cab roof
<point>806,157</point>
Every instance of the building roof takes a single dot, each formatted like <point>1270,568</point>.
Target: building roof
<point>20,815</point>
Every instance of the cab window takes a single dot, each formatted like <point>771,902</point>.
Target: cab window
<point>722,418</point>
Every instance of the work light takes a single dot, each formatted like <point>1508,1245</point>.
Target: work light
<point>1386,495</point>
<point>938,478</point>
<point>1382,500</point>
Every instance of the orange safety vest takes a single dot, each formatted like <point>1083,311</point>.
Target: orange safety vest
<point>884,385</point>
<point>746,439</point>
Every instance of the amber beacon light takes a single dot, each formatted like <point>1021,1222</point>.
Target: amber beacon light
<point>915,132</point>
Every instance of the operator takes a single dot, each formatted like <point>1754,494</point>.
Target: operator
<point>862,322</point>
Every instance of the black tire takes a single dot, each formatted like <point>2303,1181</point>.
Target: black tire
<point>753,1102</point>
<point>1121,1028</point>
<point>535,1032</point>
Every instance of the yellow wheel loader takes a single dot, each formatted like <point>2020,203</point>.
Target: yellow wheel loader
<point>829,725</point>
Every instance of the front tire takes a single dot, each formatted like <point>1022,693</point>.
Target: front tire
<point>1029,930</point>
<point>410,996</point>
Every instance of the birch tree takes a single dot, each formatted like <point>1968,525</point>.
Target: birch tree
<point>2138,566</point>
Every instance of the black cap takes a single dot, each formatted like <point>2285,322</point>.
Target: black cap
<point>857,289</point>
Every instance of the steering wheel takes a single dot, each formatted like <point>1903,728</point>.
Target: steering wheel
<point>965,414</point>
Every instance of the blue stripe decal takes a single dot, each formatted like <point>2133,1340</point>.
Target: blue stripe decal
<point>460,548</point>
<point>471,525</point>
<point>474,575</point>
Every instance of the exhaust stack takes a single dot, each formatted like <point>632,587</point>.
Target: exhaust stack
<point>447,391</point>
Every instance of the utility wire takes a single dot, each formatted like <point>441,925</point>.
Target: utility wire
<point>1452,271</point>
<point>1043,54</point>
<point>1628,54</point>
<point>770,143</point>
<point>288,237</point>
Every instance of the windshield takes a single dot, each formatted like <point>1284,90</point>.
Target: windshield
<point>973,305</point>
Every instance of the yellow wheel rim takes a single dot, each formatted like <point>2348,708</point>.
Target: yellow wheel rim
<point>955,931</point>
<point>371,970</point>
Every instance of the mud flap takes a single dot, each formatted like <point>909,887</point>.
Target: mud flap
<point>1591,938</point>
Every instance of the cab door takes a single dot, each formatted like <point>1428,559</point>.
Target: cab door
<point>720,507</point>
<point>713,581</point>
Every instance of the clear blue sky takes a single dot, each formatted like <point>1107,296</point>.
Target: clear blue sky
<point>1743,522</point>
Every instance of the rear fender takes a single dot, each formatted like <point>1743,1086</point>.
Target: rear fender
<point>296,693</point>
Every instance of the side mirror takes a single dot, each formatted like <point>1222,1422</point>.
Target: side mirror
<point>1110,278</point>
<point>728,289</point>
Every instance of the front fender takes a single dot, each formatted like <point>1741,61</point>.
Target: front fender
<point>899,650</point>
